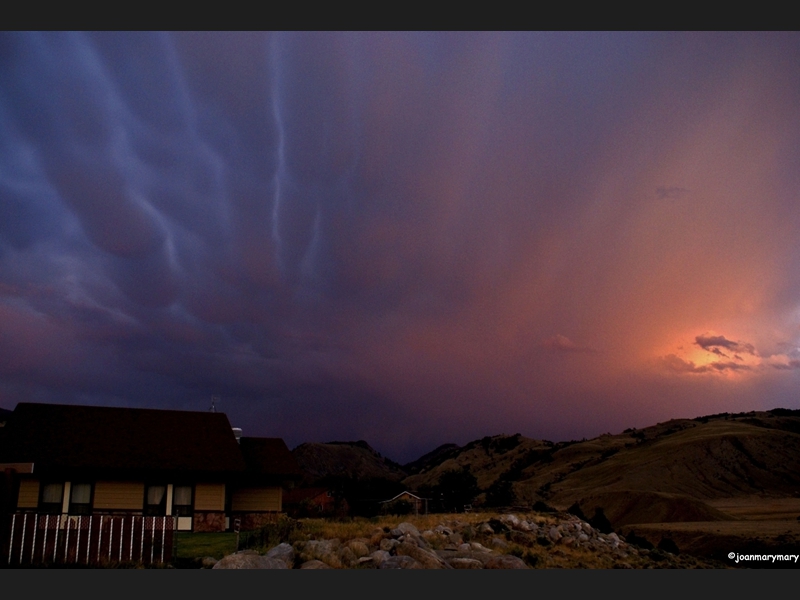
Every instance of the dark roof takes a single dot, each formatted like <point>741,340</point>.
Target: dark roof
<point>57,437</point>
<point>297,495</point>
<point>269,457</point>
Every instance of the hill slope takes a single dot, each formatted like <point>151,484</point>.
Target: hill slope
<point>348,460</point>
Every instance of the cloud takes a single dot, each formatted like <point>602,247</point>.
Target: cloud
<point>561,343</point>
<point>788,366</point>
<point>676,364</point>
<point>663,192</point>
<point>713,343</point>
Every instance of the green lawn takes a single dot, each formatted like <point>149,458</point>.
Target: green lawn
<point>198,545</point>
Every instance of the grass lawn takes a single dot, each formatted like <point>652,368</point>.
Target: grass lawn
<point>198,545</point>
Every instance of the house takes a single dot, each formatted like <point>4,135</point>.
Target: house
<point>90,460</point>
<point>314,501</point>
<point>406,501</point>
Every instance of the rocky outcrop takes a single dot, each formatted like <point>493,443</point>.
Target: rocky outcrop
<point>502,542</point>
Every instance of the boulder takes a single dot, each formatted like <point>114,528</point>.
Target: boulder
<point>283,552</point>
<point>505,561</point>
<point>314,564</point>
<point>428,559</point>
<point>511,521</point>
<point>359,548</point>
<point>408,528</point>
<point>464,563</point>
<point>249,560</point>
<point>379,556</point>
<point>400,562</point>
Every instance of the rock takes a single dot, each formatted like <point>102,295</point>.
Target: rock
<point>583,537</point>
<point>428,559</point>
<point>347,557</point>
<point>498,543</point>
<point>406,528</point>
<point>208,562</point>
<point>485,528</point>
<point>379,556</point>
<point>505,561</point>
<point>387,544</point>
<point>283,552</point>
<point>442,530</point>
<point>498,526</point>
<point>366,562</point>
<point>314,564</point>
<point>359,548</point>
<point>554,534</point>
<point>249,560</point>
<point>512,521</point>
<point>478,547</point>
<point>464,547</point>
<point>464,563</point>
<point>325,550</point>
<point>524,526</point>
<point>400,562</point>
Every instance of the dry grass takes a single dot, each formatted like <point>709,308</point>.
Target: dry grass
<point>361,527</point>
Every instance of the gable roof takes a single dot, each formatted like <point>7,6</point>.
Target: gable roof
<point>58,437</point>
<point>269,457</point>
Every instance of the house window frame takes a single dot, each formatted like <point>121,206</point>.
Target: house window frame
<point>183,510</point>
<point>50,508</point>
<point>155,510</point>
<point>81,508</point>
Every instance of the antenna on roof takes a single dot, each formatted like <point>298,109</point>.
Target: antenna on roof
<point>214,400</point>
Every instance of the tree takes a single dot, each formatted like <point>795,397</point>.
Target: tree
<point>456,489</point>
<point>500,493</point>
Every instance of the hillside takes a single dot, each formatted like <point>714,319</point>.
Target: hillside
<point>666,472</point>
<point>669,472</point>
<point>344,460</point>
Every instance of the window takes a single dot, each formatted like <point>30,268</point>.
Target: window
<point>52,498</point>
<point>182,501</point>
<point>155,500</point>
<point>80,499</point>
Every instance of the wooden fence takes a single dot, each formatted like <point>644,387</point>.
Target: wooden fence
<point>33,539</point>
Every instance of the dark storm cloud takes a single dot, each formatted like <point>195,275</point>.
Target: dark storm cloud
<point>713,343</point>
<point>379,235</point>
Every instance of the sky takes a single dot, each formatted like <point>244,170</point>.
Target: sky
<point>406,238</point>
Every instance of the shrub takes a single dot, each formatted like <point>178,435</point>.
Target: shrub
<point>284,530</point>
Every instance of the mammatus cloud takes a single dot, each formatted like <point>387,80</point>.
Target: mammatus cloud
<point>385,235</point>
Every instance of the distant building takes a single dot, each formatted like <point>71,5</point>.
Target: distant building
<point>88,460</point>
<point>417,504</point>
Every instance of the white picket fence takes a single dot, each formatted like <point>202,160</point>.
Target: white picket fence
<point>91,540</point>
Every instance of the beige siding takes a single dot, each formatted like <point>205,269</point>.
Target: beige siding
<point>28,494</point>
<point>209,496</point>
<point>118,495</point>
<point>257,499</point>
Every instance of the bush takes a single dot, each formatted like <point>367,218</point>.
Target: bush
<point>500,493</point>
<point>271,534</point>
